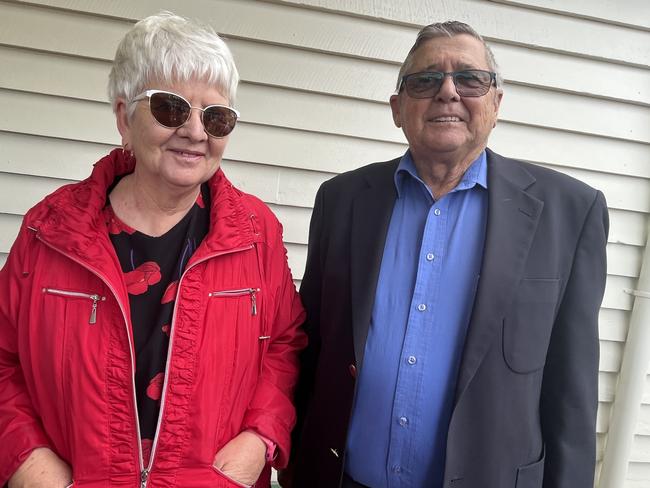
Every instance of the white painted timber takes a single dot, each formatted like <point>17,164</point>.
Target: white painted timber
<point>543,30</point>
<point>316,77</point>
<point>633,13</point>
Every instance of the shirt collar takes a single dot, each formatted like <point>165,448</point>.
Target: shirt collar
<point>476,174</point>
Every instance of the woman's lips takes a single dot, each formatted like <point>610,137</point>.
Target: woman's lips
<point>188,155</point>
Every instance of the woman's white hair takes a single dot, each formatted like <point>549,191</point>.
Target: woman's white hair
<point>170,49</point>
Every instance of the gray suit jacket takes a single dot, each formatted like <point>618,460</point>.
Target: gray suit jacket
<point>525,407</point>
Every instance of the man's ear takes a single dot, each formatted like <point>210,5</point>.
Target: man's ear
<point>395,108</point>
<point>497,103</point>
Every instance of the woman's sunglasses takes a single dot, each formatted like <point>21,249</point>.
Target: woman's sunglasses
<point>173,111</point>
<point>468,83</point>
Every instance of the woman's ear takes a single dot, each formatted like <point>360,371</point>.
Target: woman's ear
<point>122,120</point>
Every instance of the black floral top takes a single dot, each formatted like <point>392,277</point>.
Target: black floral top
<point>152,268</point>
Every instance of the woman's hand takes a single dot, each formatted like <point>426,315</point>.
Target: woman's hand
<point>243,458</point>
<point>42,469</point>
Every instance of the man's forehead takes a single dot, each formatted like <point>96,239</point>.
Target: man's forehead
<point>461,51</point>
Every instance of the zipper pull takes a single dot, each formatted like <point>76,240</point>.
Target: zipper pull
<point>253,292</point>
<point>144,474</point>
<point>93,311</point>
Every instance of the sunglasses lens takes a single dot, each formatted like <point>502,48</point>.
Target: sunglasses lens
<point>423,85</point>
<point>168,109</point>
<point>472,83</point>
<point>219,121</point>
<point>469,83</point>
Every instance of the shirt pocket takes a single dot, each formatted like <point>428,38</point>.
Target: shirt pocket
<point>527,327</point>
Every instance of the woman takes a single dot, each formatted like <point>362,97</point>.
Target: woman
<point>149,325</point>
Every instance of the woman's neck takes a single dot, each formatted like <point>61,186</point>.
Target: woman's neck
<point>147,209</point>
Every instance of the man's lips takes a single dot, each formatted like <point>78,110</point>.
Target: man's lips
<point>446,118</point>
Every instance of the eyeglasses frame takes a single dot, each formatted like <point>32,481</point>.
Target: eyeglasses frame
<point>453,74</point>
<point>148,93</point>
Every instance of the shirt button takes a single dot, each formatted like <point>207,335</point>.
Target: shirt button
<point>412,360</point>
<point>397,469</point>
<point>437,212</point>
<point>403,421</point>
<point>422,307</point>
<point>430,256</point>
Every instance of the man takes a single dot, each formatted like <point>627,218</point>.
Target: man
<point>452,299</point>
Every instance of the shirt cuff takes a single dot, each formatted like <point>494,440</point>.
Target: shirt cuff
<point>271,447</point>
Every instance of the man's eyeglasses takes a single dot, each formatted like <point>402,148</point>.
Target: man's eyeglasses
<point>468,83</point>
<point>173,111</point>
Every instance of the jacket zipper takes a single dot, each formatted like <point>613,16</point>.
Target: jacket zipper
<point>239,293</point>
<point>144,472</point>
<point>163,399</point>
<point>75,294</point>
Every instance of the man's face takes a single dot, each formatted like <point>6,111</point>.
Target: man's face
<point>447,127</point>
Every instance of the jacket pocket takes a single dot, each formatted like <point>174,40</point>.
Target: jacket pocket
<point>531,475</point>
<point>527,328</point>
<point>229,479</point>
<point>92,298</point>
<point>253,294</point>
<point>237,293</point>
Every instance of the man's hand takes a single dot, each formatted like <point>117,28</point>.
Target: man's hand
<point>42,469</point>
<point>242,458</point>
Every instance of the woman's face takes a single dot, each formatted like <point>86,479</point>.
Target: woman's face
<point>173,159</point>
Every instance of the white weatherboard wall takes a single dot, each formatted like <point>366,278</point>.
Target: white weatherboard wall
<point>316,76</point>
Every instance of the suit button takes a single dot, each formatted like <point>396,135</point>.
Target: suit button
<point>353,370</point>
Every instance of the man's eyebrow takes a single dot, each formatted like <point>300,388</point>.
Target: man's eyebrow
<point>458,67</point>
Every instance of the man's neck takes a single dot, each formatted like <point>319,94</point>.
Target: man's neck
<point>442,175</point>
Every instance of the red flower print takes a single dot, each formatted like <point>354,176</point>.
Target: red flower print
<point>165,329</point>
<point>170,292</point>
<point>199,200</point>
<point>154,390</point>
<point>146,450</point>
<point>141,278</point>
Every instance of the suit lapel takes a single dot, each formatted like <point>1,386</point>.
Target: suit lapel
<point>371,213</point>
<point>512,219</point>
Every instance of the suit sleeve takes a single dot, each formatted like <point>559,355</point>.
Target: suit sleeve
<point>569,398</point>
<point>310,292</point>
<point>20,428</point>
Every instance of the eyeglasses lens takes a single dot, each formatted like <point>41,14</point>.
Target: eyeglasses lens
<point>172,111</point>
<point>469,83</point>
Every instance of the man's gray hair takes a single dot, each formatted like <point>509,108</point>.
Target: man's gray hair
<point>169,49</point>
<point>450,28</point>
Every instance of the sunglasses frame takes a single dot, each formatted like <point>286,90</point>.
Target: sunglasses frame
<point>453,74</point>
<point>147,94</point>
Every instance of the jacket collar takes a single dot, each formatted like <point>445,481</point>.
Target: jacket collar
<point>513,214</point>
<point>371,212</point>
<point>71,218</point>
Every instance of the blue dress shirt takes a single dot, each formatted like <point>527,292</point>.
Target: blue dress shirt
<point>425,293</point>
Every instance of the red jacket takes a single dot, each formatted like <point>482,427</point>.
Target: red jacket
<point>66,349</point>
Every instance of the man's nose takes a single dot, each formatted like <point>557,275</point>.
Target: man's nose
<point>447,91</point>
